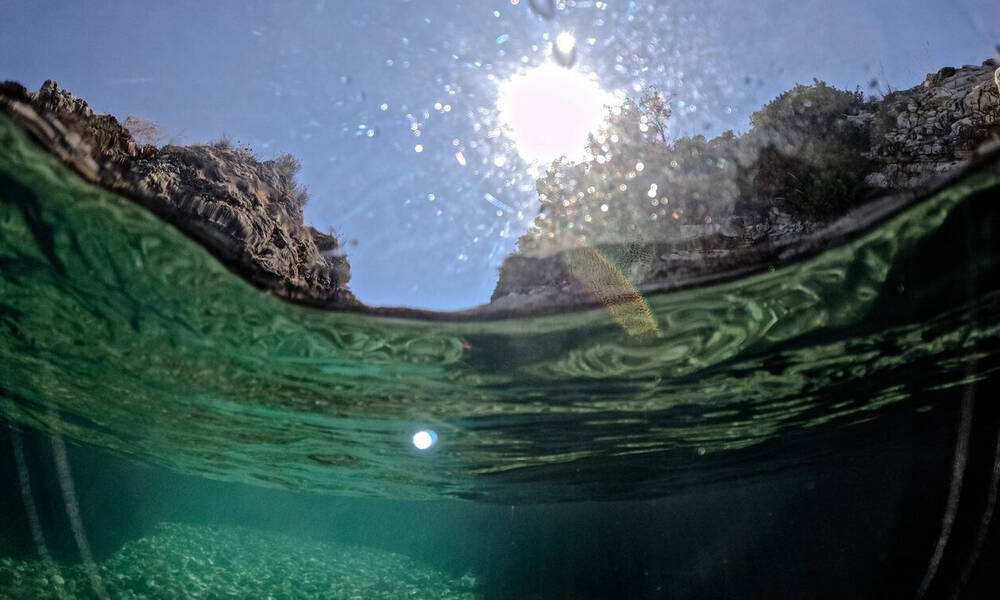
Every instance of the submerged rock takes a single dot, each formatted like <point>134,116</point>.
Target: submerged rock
<point>202,561</point>
<point>247,212</point>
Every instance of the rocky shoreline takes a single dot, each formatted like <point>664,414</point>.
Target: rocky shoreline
<point>901,146</point>
<point>248,212</point>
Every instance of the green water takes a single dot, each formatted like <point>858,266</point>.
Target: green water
<point>118,332</point>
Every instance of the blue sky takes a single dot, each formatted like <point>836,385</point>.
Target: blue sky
<point>314,78</point>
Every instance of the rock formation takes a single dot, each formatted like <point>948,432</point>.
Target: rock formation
<point>934,127</point>
<point>247,212</point>
<point>827,153</point>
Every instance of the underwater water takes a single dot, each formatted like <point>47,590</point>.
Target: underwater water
<point>825,427</point>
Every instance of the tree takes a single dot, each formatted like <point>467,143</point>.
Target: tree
<point>635,186</point>
<point>655,109</point>
<point>806,154</point>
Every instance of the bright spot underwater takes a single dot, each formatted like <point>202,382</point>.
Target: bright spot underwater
<point>549,110</point>
<point>424,439</point>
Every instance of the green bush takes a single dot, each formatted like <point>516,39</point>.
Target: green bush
<point>814,109</point>
<point>288,167</point>
<point>811,160</point>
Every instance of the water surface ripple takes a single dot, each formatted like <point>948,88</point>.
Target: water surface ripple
<point>117,330</point>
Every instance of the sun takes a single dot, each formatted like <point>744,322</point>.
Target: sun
<point>548,112</point>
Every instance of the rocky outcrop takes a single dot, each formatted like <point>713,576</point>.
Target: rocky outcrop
<point>247,212</point>
<point>934,127</point>
<point>897,145</point>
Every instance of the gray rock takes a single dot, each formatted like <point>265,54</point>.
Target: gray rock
<point>878,180</point>
<point>247,212</point>
<point>946,117</point>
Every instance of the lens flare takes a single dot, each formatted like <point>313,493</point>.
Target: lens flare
<point>549,110</point>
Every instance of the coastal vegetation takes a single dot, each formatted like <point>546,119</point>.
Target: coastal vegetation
<point>803,157</point>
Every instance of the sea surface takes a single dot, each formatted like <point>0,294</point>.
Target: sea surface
<point>820,428</point>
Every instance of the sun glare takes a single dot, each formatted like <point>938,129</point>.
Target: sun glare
<point>548,111</point>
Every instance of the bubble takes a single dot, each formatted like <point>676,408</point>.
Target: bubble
<point>418,148</point>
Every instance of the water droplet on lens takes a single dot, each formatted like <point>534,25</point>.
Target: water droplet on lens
<point>545,9</point>
<point>564,49</point>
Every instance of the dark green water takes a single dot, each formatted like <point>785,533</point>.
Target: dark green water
<point>793,433</point>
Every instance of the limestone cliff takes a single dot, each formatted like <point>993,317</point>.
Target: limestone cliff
<point>934,127</point>
<point>247,212</point>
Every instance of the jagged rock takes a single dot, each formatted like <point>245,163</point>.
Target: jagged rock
<point>935,125</point>
<point>106,135</point>
<point>245,211</point>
